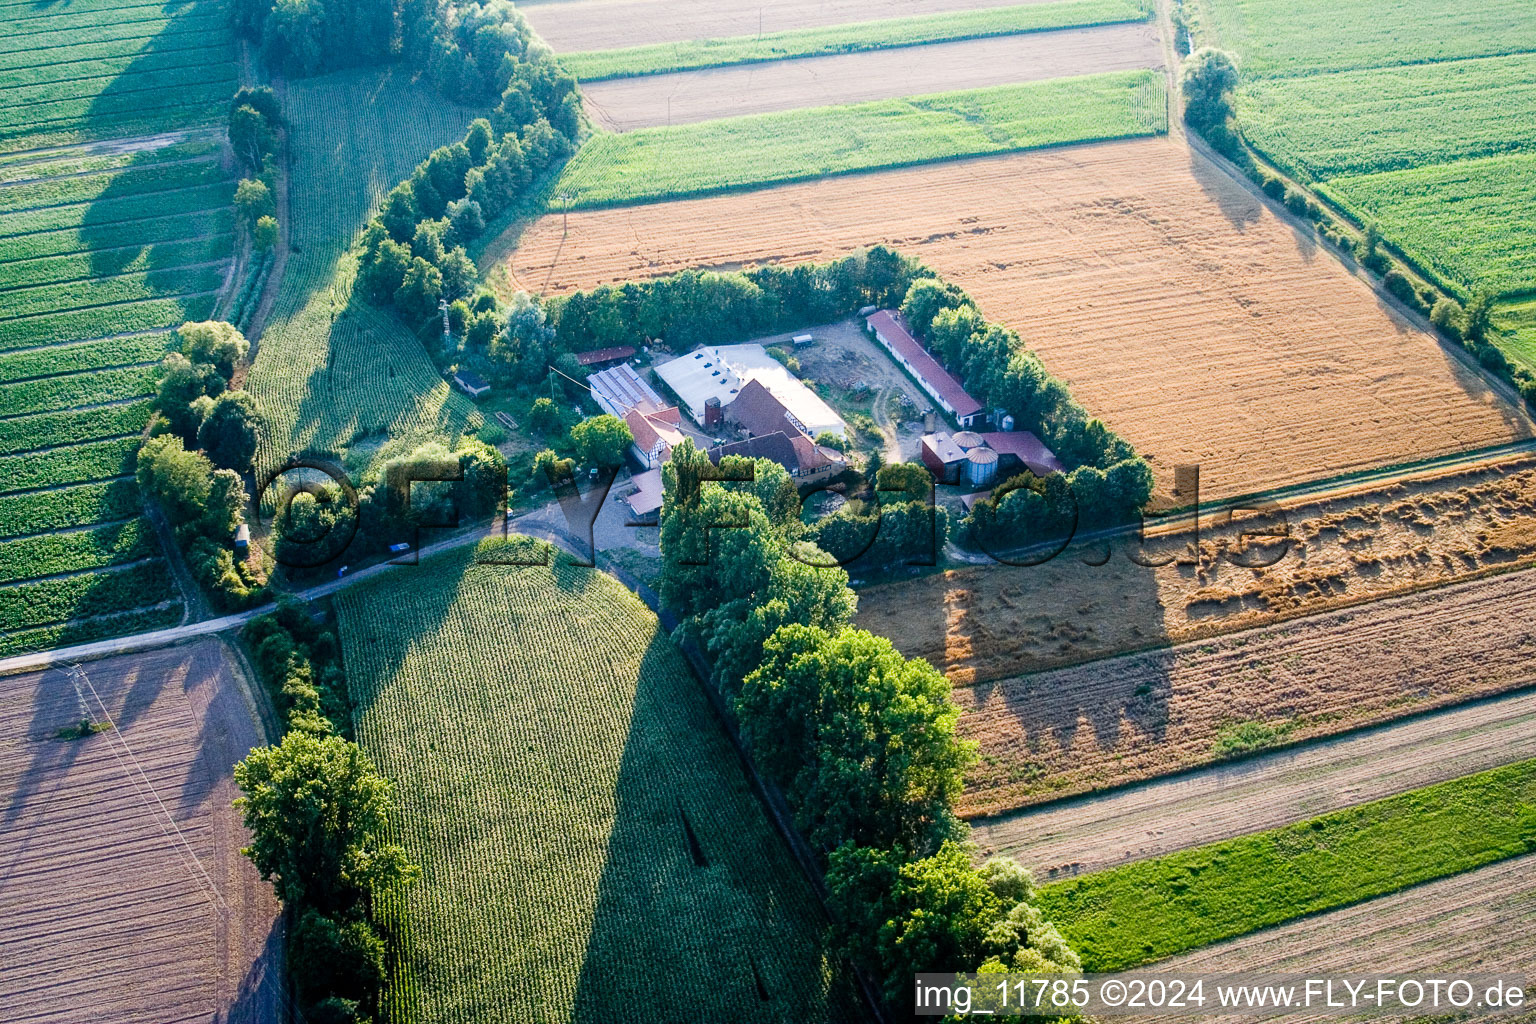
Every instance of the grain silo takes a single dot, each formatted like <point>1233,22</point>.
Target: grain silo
<point>981,466</point>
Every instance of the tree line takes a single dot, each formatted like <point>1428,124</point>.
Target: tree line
<point>201,445</point>
<point>861,741</point>
<point>320,814</point>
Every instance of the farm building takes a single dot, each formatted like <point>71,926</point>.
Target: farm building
<point>655,434</point>
<point>979,459</point>
<point>599,358</point>
<point>708,381</point>
<point>645,500</point>
<point>472,384</point>
<point>620,389</point>
<point>892,334</point>
<point>803,458</point>
<point>758,411</point>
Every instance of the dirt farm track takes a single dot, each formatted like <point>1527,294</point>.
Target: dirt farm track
<point>1181,309</point>
<point>122,888</point>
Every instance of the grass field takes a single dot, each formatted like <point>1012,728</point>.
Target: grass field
<point>1515,323</point>
<point>1157,908</point>
<point>659,58</point>
<point>588,840</point>
<point>764,149</point>
<point>110,68</point>
<point>1415,115</point>
<point>331,370</point>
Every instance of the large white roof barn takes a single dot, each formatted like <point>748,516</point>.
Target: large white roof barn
<point>719,372</point>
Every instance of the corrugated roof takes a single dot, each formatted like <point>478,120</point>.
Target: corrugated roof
<point>604,355</point>
<point>890,326</point>
<point>943,446</point>
<point>1027,448</point>
<point>622,386</point>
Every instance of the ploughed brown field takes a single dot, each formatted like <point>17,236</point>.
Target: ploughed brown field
<point>1478,922</point>
<point>623,104</point>
<point>1180,308</point>
<point>569,25</point>
<point>125,897</point>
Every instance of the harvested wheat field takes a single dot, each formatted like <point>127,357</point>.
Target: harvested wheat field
<point>624,104</point>
<point>1483,921</point>
<point>994,621</point>
<point>1265,791</point>
<point>1067,731</point>
<point>125,890</point>
<point>608,24</point>
<point>1180,308</point>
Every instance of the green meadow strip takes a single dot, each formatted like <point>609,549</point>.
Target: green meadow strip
<point>949,26</point>
<point>1157,908</point>
<point>799,145</point>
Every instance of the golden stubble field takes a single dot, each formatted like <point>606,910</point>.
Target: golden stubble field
<point>1180,308</point>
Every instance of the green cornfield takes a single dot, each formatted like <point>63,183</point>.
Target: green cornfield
<point>588,841</point>
<point>797,145</point>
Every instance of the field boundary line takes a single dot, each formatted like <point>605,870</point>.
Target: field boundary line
<point>110,277</point>
<point>74,373</point>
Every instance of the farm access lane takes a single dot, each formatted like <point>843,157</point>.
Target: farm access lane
<point>1265,791</point>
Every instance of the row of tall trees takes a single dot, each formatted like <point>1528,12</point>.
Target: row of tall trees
<point>861,740</point>
<point>320,815</point>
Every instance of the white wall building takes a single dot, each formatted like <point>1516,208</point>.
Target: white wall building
<point>720,371</point>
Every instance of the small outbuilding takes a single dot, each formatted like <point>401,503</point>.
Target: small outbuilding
<point>472,384</point>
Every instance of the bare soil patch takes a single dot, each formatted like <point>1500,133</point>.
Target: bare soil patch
<point>609,24</point>
<point>125,896</point>
<point>994,621</point>
<point>1182,311</point>
<point>1265,791</point>
<point>624,104</point>
<point>1483,921</point>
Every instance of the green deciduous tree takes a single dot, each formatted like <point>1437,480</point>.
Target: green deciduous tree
<point>862,739</point>
<point>231,431</point>
<point>253,201</point>
<point>319,816</point>
<point>214,342</point>
<point>602,441</point>
<point>1208,80</point>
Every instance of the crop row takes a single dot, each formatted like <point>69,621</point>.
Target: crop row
<point>128,91</point>
<point>65,507</point>
<point>87,355</point>
<point>123,236</point>
<point>947,26</point>
<point>1467,221</point>
<point>1301,37</point>
<point>87,630</point>
<point>69,464</point>
<point>109,290</point>
<point>159,99</point>
<point>24,49</point>
<point>101,322</point>
<point>1379,119</point>
<point>1155,908</point>
<point>72,390</point>
<point>113,208</point>
<point>744,152</point>
<point>44,19</point>
<point>24,605</point>
<point>104,263</point>
<point>108,67</point>
<point>52,553</point>
<point>94,187</point>
<point>50,429</point>
<point>15,168</point>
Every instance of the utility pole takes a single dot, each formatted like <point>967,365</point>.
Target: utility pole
<point>565,214</point>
